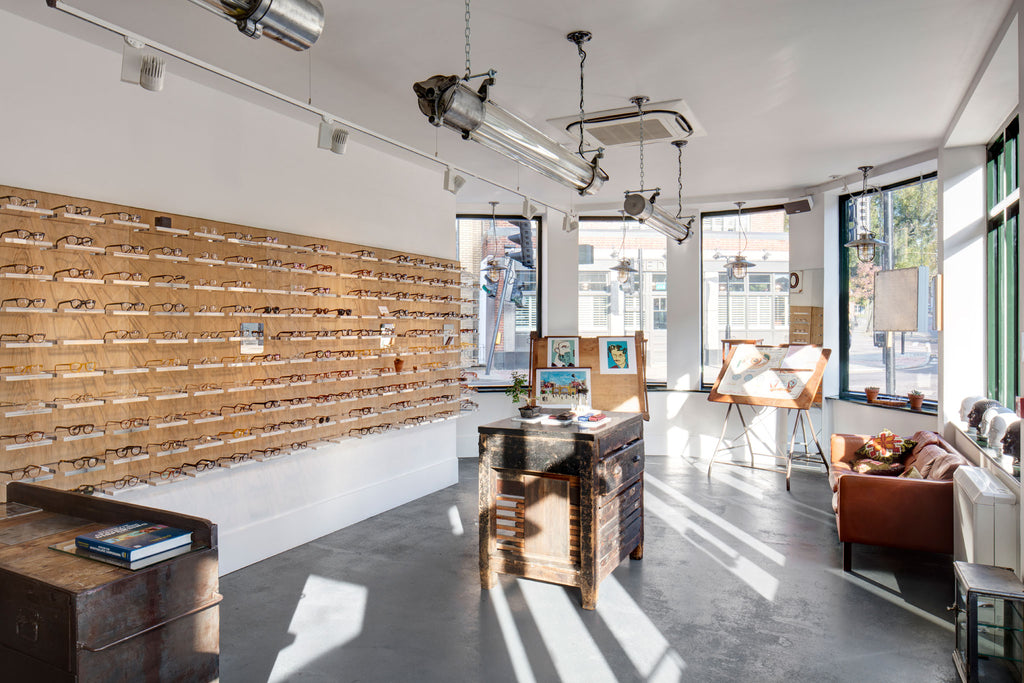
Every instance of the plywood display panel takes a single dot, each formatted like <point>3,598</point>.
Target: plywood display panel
<point>144,348</point>
<point>624,393</point>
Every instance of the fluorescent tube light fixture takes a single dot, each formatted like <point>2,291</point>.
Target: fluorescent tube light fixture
<point>293,23</point>
<point>644,209</point>
<point>448,101</point>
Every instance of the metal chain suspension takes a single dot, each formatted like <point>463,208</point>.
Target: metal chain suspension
<point>639,100</point>
<point>469,69</point>
<point>583,59</point>
<point>679,146</point>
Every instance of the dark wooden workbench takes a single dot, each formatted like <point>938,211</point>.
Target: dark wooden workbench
<point>68,618</point>
<point>561,504</point>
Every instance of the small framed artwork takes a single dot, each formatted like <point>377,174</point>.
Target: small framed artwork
<point>563,352</point>
<point>617,355</point>
<point>563,387</point>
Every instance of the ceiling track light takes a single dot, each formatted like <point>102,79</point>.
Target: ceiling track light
<point>453,182</point>
<point>644,209</point>
<point>448,101</point>
<point>142,67</point>
<point>332,136</point>
<point>865,243</point>
<point>293,23</point>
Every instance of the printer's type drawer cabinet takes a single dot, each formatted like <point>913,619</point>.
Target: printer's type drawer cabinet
<point>561,504</point>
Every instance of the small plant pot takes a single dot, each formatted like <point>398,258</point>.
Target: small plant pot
<point>529,411</point>
<point>871,393</point>
<point>915,401</point>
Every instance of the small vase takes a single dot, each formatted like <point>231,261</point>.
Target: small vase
<point>871,393</point>
<point>915,401</point>
<point>399,364</point>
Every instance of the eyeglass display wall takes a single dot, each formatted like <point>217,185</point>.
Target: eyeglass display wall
<point>140,348</point>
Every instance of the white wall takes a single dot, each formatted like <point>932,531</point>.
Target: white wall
<point>68,125</point>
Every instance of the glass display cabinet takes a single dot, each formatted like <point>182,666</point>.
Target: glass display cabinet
<point>989,623</point>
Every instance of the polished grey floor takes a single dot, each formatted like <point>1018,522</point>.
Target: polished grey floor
<point>740,581</point>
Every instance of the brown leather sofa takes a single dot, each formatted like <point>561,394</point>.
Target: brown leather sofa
<point>916,514</point>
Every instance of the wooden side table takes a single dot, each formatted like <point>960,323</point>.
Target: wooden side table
<point>561,504</point>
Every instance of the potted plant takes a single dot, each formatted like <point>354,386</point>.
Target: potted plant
<point>871,393</point>
<point>916,399</point>
<point>519,390</point>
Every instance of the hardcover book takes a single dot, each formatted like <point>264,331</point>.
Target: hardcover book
<point>134,540</point>
<point>72,549</point>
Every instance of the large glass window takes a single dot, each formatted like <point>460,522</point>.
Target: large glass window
<point>753,307</point>
<point>503,285</point>
<point>1001,272</point>
<point>905,217</point>
<point>610,308</point>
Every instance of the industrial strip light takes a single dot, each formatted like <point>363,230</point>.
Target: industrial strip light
<point>645,210</point>
<point>448,101</point>
<point>294,23</point>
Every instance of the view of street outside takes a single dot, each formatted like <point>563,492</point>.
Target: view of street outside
<point>905,218</point>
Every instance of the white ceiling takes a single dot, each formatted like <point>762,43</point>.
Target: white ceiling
<point>789,91</point>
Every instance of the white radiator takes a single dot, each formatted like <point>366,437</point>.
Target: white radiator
<point>986,519</point>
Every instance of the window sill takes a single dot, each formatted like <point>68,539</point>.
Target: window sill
<point>929,407</point>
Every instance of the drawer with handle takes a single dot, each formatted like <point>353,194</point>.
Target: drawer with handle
<point>620,467</point>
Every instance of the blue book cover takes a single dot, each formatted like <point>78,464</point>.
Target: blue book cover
<point>134,540</point>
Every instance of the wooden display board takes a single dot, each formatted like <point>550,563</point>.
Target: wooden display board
<point>624,393</point>
<point>142,347</point>
<point>780,376</point>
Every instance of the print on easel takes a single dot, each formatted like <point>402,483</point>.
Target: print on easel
<point>617,355</point>
<point>563,352</point>
<point>563,387</point>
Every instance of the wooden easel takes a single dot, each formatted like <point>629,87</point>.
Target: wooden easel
<point>742,383</point>
<point>619,393</point>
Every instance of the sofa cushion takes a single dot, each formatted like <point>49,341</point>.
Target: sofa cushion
<point>944,466</point>
<point>870,466</point>
<point>837,470</point>
<point>886,447</point>
<point>911,473</point>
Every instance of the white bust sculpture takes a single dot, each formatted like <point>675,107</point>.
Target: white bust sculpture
<point>966,405</point>
<point>988,416</point>
<point>997,427</point>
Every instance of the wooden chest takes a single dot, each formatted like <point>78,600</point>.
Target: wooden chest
<point>561,504</point>
<point>67,618</point>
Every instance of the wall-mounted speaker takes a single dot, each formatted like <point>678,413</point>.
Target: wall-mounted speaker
<point>802,205</point>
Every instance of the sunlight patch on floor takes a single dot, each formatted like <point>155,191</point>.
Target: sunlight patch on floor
<point>639,638</point>
<point>572,649</point>
<point>731,529</point>
<point>513,643</point>
<point>328,614</point>
<point>456,521</point>
<point>728,557</point>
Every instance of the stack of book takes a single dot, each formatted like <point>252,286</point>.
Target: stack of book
<point>132,545</point>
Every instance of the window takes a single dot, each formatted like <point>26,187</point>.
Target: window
<point>1003,202</point>
<point>756,306</point>
<point>905,217</point>
<point>505,308</point>
<point>608,308</point>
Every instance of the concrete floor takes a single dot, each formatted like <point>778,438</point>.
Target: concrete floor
<point>740,581</point>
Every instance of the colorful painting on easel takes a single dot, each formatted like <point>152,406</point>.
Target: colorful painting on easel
<point>617,355</point>
<point>563,387</point>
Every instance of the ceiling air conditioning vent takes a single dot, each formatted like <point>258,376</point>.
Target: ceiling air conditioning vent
<point>663,122</point>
